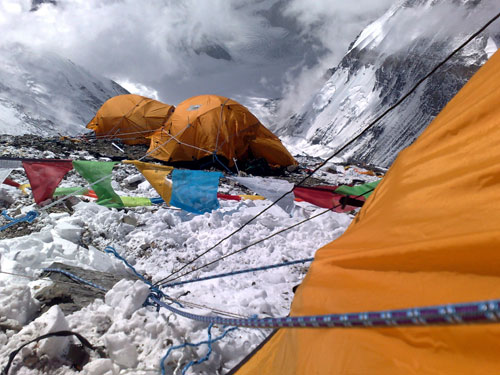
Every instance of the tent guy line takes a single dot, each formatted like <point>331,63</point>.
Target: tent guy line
<point>480,312</point>
<point>220,125</point>
<point>477,312</point>
<point>350,142</point>
<point>166,142</point>
<point>166,281</point>
<point>94,136</point>
<point>238,272</point>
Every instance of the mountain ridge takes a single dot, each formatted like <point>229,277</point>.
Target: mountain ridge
<point>44,93</point>
<point>376,72</point>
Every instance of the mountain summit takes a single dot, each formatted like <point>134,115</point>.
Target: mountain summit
<point>388,58</point>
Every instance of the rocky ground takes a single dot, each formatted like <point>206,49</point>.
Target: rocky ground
<point>65,147</point>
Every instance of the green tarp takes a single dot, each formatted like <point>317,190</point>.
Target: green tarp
<point>358,190</point>
<point>100,171</point>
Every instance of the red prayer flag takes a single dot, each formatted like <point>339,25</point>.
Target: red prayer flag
<point>229,197</point>
<point>10,182</point>
<point>324,196</point>
<point>45,175</point>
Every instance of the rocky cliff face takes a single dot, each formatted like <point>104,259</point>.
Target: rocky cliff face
<point>382,64</point>
<point>45,94</point>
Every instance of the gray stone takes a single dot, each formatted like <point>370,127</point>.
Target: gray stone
<point>69,294</point>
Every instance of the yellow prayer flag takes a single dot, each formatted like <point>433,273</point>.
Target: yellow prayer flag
<point>252,197</point>
<point>157,176</point>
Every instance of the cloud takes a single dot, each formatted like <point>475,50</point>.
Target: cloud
<point>429,21</point>
<point>438,22</point>
<point>139,89</point>
<point>184,48</point>
<point>331,25</point>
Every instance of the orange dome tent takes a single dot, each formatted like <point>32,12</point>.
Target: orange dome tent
<point>132,118</point>
<point>428,235</point>
<point>214,125</point>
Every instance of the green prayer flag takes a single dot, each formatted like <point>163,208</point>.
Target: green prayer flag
<point>358,190</point>
<point>69,190</point>
<point>136,201</point>
<point>98,173</point>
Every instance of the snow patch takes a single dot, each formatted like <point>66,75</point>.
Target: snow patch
<point>127,296</point>
<point>491,47</point>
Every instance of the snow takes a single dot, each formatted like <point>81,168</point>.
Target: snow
<point>9,119</point>
<point>331,111</point>
<point>374,33</point>
<point>44,93</point>
<point>52,321</point>
<point>120,350</point>
<point>127,296</point>
<point>16,302</point>
<point>491,47</point>
<point>385,62</point>
<point>156,240</point>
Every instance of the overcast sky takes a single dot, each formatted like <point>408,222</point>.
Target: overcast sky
<point>177,49</point>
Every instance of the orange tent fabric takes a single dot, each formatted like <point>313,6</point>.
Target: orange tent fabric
<point>209,124</point>
<point>132,118</point>
<point>428,235</point>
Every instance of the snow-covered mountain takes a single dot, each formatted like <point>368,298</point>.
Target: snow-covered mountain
<point>43,93</point>
<point>383,63</point>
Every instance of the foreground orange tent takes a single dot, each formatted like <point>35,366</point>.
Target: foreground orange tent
<point>131,118</point>
<point>428,235</point>
<point>209,125</point>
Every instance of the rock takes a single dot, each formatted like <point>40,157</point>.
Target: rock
<point>130,220</point>
<point>78,356</point>
<point>70,295</point>
<point>9,324</point>
<point>64,148</point>
<point>134,180</point>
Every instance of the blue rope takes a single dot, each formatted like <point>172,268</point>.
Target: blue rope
<point>221,163</point>
<point>238,272</point>
<point>155,295</point>
<point>459,313</point>
<point>6,215</point>
<point>76,278</point>
<point>208,342</point>
<point>451,314</point>
<point>112,250</point>
<point>155,291</point>
<point>29,218</point>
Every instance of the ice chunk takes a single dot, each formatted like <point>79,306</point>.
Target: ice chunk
<point>52,321</point>
<point>120,349</point>
<point>68,231</point>
<point>101,366</point>
<point>127,296</point>
<point>16,303</point>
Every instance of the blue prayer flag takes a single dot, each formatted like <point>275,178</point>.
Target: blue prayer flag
<point>195,191</point>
